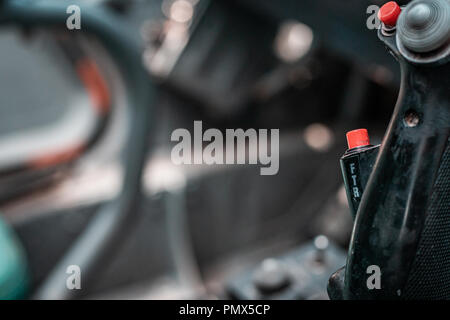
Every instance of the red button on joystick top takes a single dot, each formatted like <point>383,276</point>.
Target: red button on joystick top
<point>388,13</point>
<point>358,138</point>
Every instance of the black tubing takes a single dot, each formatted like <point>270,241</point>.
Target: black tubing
<point>92,250</point>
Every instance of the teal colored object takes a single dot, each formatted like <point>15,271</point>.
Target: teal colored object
<point>13,267</point>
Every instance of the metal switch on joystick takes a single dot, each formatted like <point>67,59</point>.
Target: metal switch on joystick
<point>424,26</point>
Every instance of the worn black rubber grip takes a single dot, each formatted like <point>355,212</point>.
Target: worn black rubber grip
<point>403,222</point>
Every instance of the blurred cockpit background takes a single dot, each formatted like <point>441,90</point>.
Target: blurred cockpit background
<point>312,69</point>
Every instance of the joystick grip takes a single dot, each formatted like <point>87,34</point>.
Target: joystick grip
<point>403,222</point>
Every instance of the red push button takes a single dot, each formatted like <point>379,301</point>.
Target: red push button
<point>388,13</point>
<point>358,138</point>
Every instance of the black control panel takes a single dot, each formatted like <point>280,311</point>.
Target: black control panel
<point>301,274</point>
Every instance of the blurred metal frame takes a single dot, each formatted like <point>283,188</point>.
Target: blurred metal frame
<point>107,228</point>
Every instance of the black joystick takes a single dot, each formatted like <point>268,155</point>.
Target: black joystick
<point>402,226</point>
